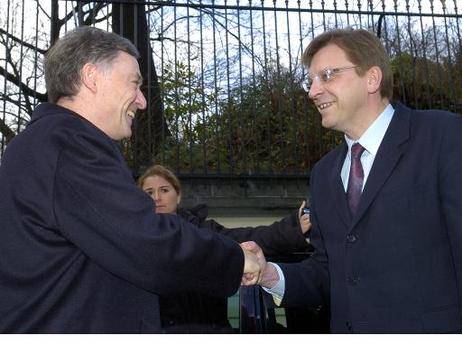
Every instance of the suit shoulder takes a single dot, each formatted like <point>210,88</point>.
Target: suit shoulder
<point>436,121</point>
<point>54,129</point>
<point>54,116</point>
<point>431,116</point>
<point>428,120</point>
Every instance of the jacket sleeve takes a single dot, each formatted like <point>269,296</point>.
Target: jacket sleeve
<point>107,217</point>
<point>307,283</point>
<point>281,237</point>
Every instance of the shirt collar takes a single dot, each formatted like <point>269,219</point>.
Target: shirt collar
<point>373,136</point>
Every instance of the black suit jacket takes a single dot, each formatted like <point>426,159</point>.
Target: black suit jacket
<point>81,249</point>
<point>397,265</point>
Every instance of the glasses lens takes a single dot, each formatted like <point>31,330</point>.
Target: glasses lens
<point>326,74</point>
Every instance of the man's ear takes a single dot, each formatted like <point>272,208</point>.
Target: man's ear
<point>374,79</point>
<point>88,76</point>
<point>178,200</point>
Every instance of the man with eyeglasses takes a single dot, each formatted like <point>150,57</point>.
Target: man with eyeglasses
<point>386,205</point>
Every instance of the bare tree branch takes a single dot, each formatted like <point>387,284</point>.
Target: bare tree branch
<point>6,131</point>
<point>43,10</point>
<point>92,13</point>
<point>24,88</point>
<point>17,103</point>
<point>20,84</point>
<point>27,45</point>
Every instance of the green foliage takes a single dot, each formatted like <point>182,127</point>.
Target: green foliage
<point>265,125</point>
<point>423,83</point>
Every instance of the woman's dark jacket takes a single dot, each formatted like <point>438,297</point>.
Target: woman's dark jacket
<point>195,312</point>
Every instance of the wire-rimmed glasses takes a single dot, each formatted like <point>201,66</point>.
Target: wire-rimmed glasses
<point>324,76</point>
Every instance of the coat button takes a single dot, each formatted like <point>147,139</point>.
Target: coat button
<point>351,238</point>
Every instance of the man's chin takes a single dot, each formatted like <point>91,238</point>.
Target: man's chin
<point>326,124</point>
<point>127,134</point>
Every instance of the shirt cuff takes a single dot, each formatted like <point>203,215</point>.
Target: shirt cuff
<point>277,291</point>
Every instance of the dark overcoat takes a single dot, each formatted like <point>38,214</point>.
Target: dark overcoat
<point>81,249</point>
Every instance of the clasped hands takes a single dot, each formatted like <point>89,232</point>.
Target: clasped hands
<point>255,263</point>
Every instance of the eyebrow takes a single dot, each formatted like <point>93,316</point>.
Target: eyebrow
<point>160,187</point>
<point>166,186</point>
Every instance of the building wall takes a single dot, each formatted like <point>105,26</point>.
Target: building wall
<point>257,199</point>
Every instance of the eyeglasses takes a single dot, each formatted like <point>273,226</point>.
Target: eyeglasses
<point>325,75</point>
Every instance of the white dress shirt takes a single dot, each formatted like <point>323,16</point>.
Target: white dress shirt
<point>370,140</point>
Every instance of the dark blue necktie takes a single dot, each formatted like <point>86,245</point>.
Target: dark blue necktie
<point>356,178</point>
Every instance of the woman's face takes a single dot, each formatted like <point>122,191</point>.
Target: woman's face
<point>163,193</point>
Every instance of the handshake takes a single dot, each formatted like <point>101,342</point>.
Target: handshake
<point>256,270</point>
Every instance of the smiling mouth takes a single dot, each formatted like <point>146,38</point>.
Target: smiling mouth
<point>325,105</point>
<point>131,114</point>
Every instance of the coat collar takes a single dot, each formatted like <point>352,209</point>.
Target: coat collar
<point>47,108</point>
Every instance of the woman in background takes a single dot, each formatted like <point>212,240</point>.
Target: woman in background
<point>194,312</point>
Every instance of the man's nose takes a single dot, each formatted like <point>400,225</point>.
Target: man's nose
<point>140,100</point>
<point>316,88</point>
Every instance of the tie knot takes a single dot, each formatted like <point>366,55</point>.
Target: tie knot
<point>357,150</point>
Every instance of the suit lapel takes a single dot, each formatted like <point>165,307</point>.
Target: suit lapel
<point>390,151</point>
<point>336,185</point>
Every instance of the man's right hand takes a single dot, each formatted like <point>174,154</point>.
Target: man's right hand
<point>267,276</point>
<point>255,263</point>
<point>252,268</point>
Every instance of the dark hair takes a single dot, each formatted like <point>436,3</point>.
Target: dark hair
<point>167,174</point>
<point>65,59</point>
<point>363,48</point>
